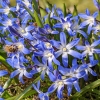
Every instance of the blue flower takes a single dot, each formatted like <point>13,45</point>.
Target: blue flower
<point>47,30</point>
<point>76,28</point>
<point>42,68</point>
<point>47,55</point>
<point>89,20</point>
<point>6,22</point>
<point>97,4</point>
<point>96,28</point>
<point>76,71</point>
<point>22,71</point>
<point>41,95</point>
<point>3,72</point>
<point>65,24</point>
<point>6,9</point>
<point>66,49</point>
<point>25,31</point>
<point>59,82</point>
<point>89,69</point>
<point>89,49</point>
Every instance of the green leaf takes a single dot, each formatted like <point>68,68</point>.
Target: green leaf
<point>86,89</point>
<point>35,17</point>
<point>22,95</point>
<point>96,91</point>
<point>48,4</point>
<point>6,85</point>
<point>35,6</point>
<point>64,9</point>
<point>11,98</point>
<point>75,12</point>
<point>10,69</point>
<point>29,93</point>
<point>3,61</point>
<point>3,53</point>
<point>13,14</point>
<point>42,12</point>
<point>6,95</point>
<point>47,21</point>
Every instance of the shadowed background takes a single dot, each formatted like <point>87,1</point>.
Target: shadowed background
<point>81,4</point>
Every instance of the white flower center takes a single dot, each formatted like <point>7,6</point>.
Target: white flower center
<point>9,23</point>
<point>64,49</point>
<point>66,26</point>
<point>7,10</point>
<point>60,83</point>
<point>20,46</point>
<point>97,27</point>
<point>22,31</point>
<point>49,30</point>
<point>88,48</point>
<point>48,45</point>
<point>49,55</point>
<point>91,19</point>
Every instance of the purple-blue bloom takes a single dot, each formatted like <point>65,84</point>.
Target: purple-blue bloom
<point>97,4</point>
<point>59,81</point>
<point>89,49</point>
<point>22,71</point>
<point>65,24</point>
<point>3,72</point>
<point>76,71</point>
<point>40,68</point>
<point>64,49</point>
<point>47,30</point>
<point>41,95</point>
<point>89,20</point>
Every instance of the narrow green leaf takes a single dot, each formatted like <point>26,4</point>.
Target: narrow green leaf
<point>29,93</point>
<point>11,98</point>
<point>6,95</point>
<point>10,69</point>
<point>13,14</point>
<point>64,9</point>
<point>6,85</point>
<point>21,95</point>
<point>96,91</point>
<point>3,53</point>
<point>47,21</point>
<point>35,6</point>
<point>75,12</point>
<point>3,61</point>
<point>35,17</point>
<point>42,12</point>
<point>48,4</point>
<point>86,89</point>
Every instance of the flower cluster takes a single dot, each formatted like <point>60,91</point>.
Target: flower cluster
<point>60,49</point>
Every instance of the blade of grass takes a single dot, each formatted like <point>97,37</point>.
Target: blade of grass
<point>21,95</point>
<point>86,89</point>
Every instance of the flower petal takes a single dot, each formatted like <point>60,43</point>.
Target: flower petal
<point>97,42</point>
<point>75,54</point>
<point>28,75</point>
<point>3,72</point>
<point>92,72</point>
<point>63,38</point>
<point>72,43</point>
<point>14,73</point>
<point>52,88</point>
<point>65,59</point>
<point>76,85</point>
